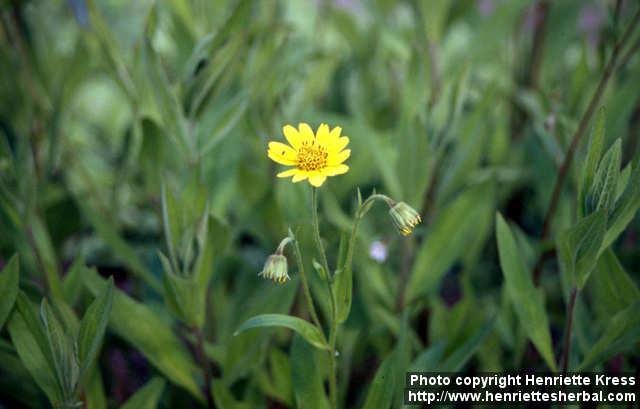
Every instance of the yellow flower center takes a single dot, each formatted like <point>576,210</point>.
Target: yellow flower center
<point>311,157</point>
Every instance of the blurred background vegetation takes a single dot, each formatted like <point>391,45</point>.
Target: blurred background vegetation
<point>460,108</point>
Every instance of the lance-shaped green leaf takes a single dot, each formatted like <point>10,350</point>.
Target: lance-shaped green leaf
<point>93,326</point>
<point>621,334</point>
<point>151,335</point>
<point>626,206</point>
<point>72,284</point>
<point>380,394</point>
<point>213,238</point>
<point>170,223</point>
<point>223,116</point>
<point>147,397</point>
<point>276,382</point>
<point>602,192</point>
<point>14,372</point>
<point>120,247</point>
<point>429,359</point>
<point>449,239</point>
<point>307,330</point>
<point>612,288</point>
<point>171,113</point>
<point>94,394</point>
<point>118,68</point>
<point>32,356</point>
<point>526,299</point>
<point>61,345</point>
<point>9,280</point>
<point>593,157</point>
<point>578,248</point>
<point>462,354</point>
<point>223,397</point>
<point>32,322</point>
<point>343,277</point>
<point>185,298</point>
<point>308,385</point>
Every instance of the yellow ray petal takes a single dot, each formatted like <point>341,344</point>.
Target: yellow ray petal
<point>274,156</point>
<point>337,158</point>
<point>287,173</point>
<point>317,180</point>
<point>322,136</point>
<point>293,136</point>
<point>300,175</point>
<point>306,132</point>
<point>283,150</point>
<point>335,170</point>
<point>335,133</point>
<point>341,143</point>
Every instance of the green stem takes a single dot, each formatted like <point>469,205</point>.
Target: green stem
<point>305,285</point>
<point>567,330</point>
<point>352,242</point>
<point>316,231</point>
<point>68,405</point>
<point>334,322</point>
<point>360,212</point>
<point>203,361</point>
<point>332,361</point>
<point>46,264</point>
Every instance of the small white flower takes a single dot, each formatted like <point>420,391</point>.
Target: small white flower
<point>378,251</point>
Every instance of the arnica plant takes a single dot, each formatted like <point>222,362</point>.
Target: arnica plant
<point>308,204</point>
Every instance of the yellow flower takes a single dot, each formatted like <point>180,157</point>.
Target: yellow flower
<point>313,157</point>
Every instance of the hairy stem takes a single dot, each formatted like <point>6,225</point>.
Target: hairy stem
<point>406,256</point>
<point>334,322</point>
<point>52,278</point>
<point>305,285</point>
<point>567,330</point>
<point>204,364</point>
<point>333,387</point>
<point>535,60</point>
<point>316,231</point>
<point>577,136</point>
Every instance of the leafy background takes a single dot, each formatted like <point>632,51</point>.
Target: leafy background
<point>464,109</point>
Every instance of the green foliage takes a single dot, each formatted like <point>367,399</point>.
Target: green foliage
<point>138,203</point>
<point>147,397</point>
<point>307,376</point>
<point>139,325</point>
<point>449,239</point>
<point>33,357</point>
<point>525,298</point>
<point>579,247</point>
<point>93,326</point>
<point>613,288</point>
<point>380,392</point>
<point>56,353</point>
<point>310,333</point>
<point>622,334</point>
<point>9,278</point>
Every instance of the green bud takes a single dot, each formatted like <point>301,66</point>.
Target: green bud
<point>404,217</point>
<point>275,268</point>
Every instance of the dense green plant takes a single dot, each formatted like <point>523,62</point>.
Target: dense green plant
<point>138,204</point>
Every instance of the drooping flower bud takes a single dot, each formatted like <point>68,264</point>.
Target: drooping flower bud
<point>275,268</point>
<point>404,217</point>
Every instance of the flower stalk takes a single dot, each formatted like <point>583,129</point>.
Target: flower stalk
<point>305,282</point>
<point>333,318</point>
<point>204,365</point>
<point>568,329</point>
<point>314,157</point>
